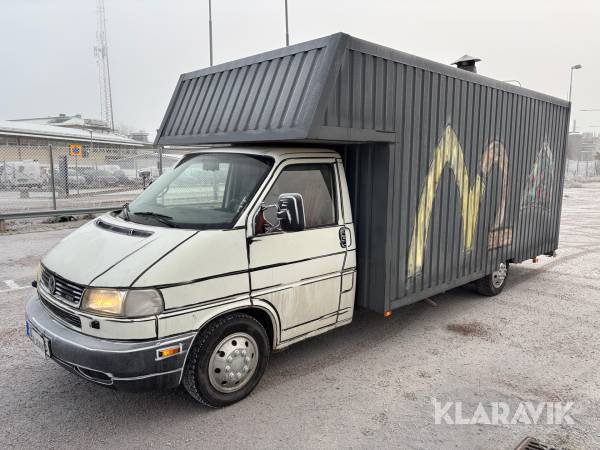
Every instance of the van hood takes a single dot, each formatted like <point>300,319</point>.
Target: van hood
<point>111,244</point>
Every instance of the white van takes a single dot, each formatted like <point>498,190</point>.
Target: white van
<point>234,254</point>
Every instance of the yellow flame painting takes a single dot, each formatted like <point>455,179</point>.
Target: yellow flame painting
<point>449,153</point>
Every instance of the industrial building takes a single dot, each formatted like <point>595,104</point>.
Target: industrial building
<point>61,130</point>
<point>584,146</point>
<point>28,139</point>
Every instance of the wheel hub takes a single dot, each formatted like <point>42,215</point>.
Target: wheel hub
<point>499,275</point>
<point>233,362</point>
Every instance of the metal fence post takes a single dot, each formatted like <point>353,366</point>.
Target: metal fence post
<point>52,185</point>
<point>160,161</point>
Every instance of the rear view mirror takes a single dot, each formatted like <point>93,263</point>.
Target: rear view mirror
<point>290,212</point>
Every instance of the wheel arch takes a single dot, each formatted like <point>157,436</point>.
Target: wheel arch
<point>266,319</point>
<point>263,312</point>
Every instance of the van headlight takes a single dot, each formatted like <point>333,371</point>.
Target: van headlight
<point>123,303</point>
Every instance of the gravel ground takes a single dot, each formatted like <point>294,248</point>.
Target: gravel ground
<point>367,385</point>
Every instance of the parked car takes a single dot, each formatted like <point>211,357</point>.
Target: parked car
<point>77,181</point>
<point>20,174</point>
<point>99,178</point>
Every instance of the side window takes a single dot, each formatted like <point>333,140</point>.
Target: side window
<point>315,182</point>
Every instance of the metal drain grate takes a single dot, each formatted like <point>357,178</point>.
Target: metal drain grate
<point>530,443</point>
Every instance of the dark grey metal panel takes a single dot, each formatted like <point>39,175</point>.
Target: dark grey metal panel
<point>270,96</point>
<point>368,193</point>
<point>507,162</point>
<point>363,94</point>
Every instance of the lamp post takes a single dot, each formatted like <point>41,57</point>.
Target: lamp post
<point>91,141</point>
<point>575,67</point>
<point>92,147</point>
<point>210,39</point>
<point>287,29</point>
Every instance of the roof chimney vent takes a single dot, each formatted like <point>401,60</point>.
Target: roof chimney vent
<point>467,62</point>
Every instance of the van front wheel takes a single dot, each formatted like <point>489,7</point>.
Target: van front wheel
<point>227,360</point>
<point>493,283</point>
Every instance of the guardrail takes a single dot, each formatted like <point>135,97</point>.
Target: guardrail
<point>51,213</point>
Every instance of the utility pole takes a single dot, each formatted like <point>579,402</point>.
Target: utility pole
<point>210,37</point>
<point>287,28</point>
<point>101,53</point>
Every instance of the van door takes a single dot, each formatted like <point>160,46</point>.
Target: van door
<point>299,273</point>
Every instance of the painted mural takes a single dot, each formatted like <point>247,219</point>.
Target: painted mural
<point>449,153</point>
<point>538,190</point>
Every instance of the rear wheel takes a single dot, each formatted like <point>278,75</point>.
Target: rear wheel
<point>227,360</point>
<point>493,283</point>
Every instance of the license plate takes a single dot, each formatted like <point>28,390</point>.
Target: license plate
<point>40,343</point>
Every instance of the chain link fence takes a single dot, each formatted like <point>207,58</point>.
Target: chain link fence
<point>46,178</point>
<point>49,178</point>
<point>582,169</point>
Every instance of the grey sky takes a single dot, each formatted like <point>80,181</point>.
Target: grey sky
<point>47,64</point>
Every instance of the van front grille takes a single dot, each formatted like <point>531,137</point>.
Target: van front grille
<point>61,314</point>
<point>64,290</point>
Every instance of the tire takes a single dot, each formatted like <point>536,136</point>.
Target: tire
<point>227,360</point>
<point>493,283</point>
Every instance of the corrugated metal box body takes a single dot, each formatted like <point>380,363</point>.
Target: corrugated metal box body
<point>272,96</point>
<point>473,178</point>
<point>449,172</point>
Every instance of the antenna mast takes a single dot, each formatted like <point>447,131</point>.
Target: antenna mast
<point>101,53</point>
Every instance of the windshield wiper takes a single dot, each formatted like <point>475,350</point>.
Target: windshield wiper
<point>162,218</point>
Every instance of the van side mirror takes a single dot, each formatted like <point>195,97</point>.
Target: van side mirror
<point>290,212</point>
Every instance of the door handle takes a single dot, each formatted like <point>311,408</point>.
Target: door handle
<point>344,241</point>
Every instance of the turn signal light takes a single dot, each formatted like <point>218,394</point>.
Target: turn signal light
<point>387,314</point>
<point>169,351</point>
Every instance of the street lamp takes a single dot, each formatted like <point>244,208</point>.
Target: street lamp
<point>287,32</point>
<point>91,152</point>
<point>210,42</point>
<point>575,67</point>
<point>91,140</point>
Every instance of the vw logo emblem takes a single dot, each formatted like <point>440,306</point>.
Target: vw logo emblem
<point>51,284</point>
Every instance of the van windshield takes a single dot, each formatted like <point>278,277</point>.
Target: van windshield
<point>208,190</point>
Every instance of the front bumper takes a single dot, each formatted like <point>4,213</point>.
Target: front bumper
<point>126,365</point>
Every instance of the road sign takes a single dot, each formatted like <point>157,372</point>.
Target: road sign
<point>75,150</point>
